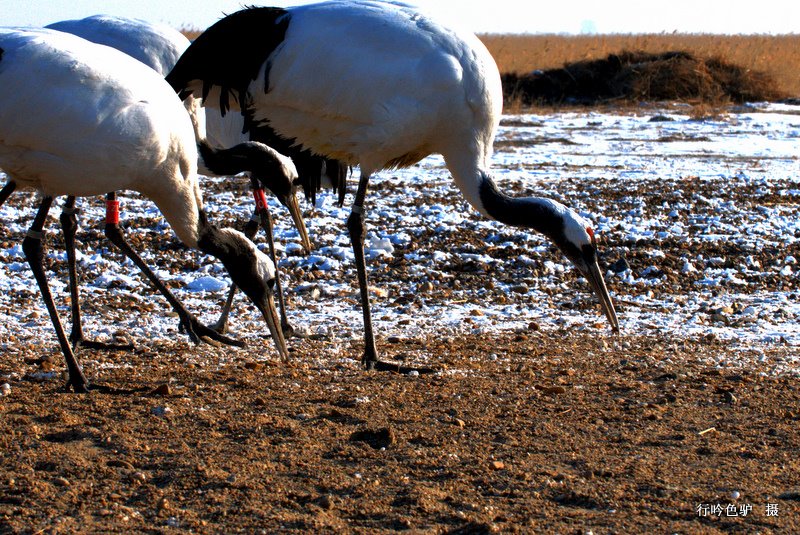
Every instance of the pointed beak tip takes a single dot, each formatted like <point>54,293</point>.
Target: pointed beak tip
<point>270,314</point>
<point>598,285</point>
<point>611,313</point>
<point>299,222</point>
<point>611,316</point>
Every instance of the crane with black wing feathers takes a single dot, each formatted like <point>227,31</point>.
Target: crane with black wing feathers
<point>380,85</point>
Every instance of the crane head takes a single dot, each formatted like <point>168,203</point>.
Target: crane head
<point>251,270</point>
<point>278,174</point>
<point>577,241</point>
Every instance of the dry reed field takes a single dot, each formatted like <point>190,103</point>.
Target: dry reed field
<point>775,56</point>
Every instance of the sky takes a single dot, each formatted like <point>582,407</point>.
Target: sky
<point>480,16</point>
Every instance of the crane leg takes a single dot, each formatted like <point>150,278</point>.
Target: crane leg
<point>189,322</point>
<point>357,229</point>
<point>34,253</point>
<point>7,190</point>
<point>261,217</point>
<point>69,226</point>
<point>266,221</point>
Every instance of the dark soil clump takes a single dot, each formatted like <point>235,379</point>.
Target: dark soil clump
<point>641,76</point>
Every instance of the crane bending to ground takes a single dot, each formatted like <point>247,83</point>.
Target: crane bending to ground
<point>80,119</point>
<point>380,85</point>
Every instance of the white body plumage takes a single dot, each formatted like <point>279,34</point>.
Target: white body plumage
<point>421,88</point>
<point>156,45</point>
<point>66,138</point>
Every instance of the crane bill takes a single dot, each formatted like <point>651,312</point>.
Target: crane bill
<point>598,285</point>
<point>270,314</point>
<point>299,222</point>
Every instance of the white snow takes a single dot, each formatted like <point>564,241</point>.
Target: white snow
<point>207,284</point>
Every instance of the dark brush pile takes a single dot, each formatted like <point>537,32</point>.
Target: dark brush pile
<point>641,76</point>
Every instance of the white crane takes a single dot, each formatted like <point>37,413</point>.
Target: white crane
<point>380,85</point>
<point>81,119</point>
<point>159,46</point>
<point>156,45</point>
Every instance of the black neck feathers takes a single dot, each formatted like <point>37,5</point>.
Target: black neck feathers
<point>237,254</point>
<point>225,246</point>
<point>251,156</point>
<point>538,214</point>
<point>214,242</point>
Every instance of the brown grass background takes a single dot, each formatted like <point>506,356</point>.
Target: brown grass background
<point>777,56</point>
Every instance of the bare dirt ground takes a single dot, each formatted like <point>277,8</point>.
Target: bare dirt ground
<point>538,429</point>
<point>562,433</point>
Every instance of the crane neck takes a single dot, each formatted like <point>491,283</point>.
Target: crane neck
<point>210,238</point>
<point>540,214</point>
<point>469,170</point>
<point>273,169</point>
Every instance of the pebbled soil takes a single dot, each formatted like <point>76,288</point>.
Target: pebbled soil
<point>547,432</point>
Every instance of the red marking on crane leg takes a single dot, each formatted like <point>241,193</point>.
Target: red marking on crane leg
<point>112,212</point>
<point>261,199</point>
